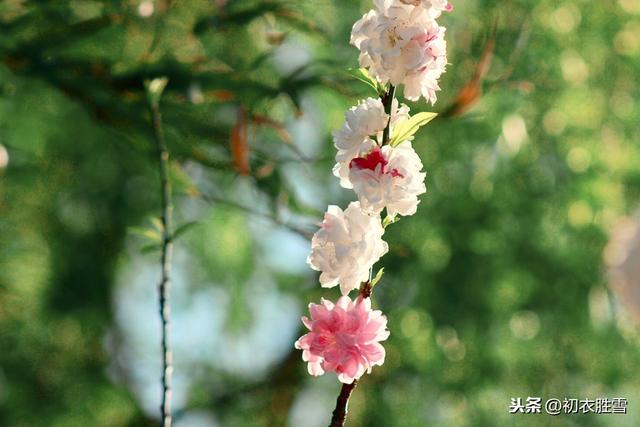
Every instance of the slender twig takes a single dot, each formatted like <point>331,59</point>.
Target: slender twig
<point>167,248</point>
<point>214,199</point>
<point>340,412</point>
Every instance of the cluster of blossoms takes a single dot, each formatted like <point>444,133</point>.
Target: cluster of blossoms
<point>400,44</point>
<point>381,176</point>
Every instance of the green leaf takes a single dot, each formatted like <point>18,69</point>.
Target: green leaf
<point>154,247</point>
<point>148,233</point>
<point>157,224</point>
<point>363,75</point>
<point>405,131</point>
<point>184,228</point>
<point>388,220</point>
<point>378,277</point>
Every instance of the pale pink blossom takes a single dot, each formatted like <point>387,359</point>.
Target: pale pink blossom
<point>402,44</point>
<point>343,338</point>
<point>388,177</point>
<point>433,7</point>
<point>346,246</point>
<point>438,6</point>
<point>429,51</point>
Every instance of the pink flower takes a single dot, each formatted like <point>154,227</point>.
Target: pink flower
<point>344,338</point>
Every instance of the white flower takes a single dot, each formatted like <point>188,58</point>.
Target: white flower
<point>354,138</point>
<point>388,177</point>
<point>362,130</point>
<point>403,44</point>
<point>368,117</point>
<point>436,7</point>
<point>346,246</point>
<point>341,168</point>
<point>362,121</point>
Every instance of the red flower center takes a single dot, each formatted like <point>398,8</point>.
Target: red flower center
<point>371,162</point>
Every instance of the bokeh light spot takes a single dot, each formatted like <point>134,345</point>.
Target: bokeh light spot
<point>524,325</point>
<point>574,69</point>
<point>566,18</point>
<point>554,122</point>
<point>578,159</point>
<point>514,134</point>
<point>580,214</point>
<point>627,41</point>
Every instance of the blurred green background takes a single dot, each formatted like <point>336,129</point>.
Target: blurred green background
<point>497,288</point>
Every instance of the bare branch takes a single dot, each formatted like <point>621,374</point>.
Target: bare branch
<point>340,413</point>
<point>154,91</point>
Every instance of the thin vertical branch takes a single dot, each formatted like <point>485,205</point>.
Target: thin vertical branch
<point>167,246</point>
<point>340,412</point>
<point>387,101</point>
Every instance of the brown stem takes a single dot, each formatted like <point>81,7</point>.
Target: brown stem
<point>365,290</point>
<point>340,413</point>
<point>387,101</point>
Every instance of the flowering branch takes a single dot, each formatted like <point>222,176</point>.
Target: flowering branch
<point>400,43</point>
<point>154,91</point>
<point>339,416</point>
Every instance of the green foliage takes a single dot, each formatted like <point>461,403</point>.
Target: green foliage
<point>377,277</point>
<point>362,74</point>
<point>406,130</point>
